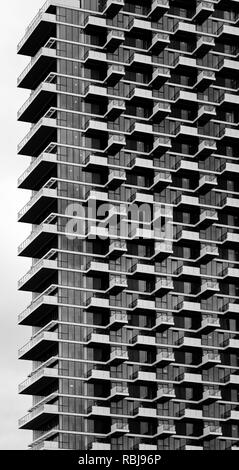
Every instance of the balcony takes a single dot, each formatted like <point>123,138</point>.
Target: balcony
<point>164,430</point>
<point>231,379</point>
<point>210,359</point>
<point>42,306</point>
<point>45,164</point>
<point>46,445</point>
<point>145,413</point>
<point>206,113</point>
<point>203,46</point>
<point>118,392</point>
<point>160,111</point>
<point>141,305</point>
<point>165,393</point>
<point>186,167</point>
<point>96,339</point>
<point>96,93</point>
<point>184,98</point>
<point>227,33</point>
<point>95,23</point>
<point>189,378</point>
<point>160,146</point>
<point>140,94</point>
<point>115,109</point>
<point>100,446</point>
<point>141,198</point>
<point>93,195</point>
<point>158,9</point>
<point>207,218</point>
<point>38,380</point>
<point>141,376</point>
<point>228,67</point>
<point>117,284</point>
<point>211,432</point>
<point>164,358</point>
<point>186,202</point>
<point>94,163</point>
<point>163,322</point>
<point>231,308</point>
<point>34,348</point>
<point>230,273</point>
<point>204,79</point>
<point>162,250</point>
<point>229,169</point>
<point>114,39</point>
<point>203,11</point>
<point>140,60</point>
<point>38,418</point>
<point>112,7</point>
<point>228,101</point>
<point>187,307</point>
<point>146,447</point>
<point>118,356</point>
<point>187,272</point>
<point>96,127</point>
<point>137,129</point>
<point>211,395</point>
<point>119,428</point>
<point>162,286</point>
<point>186,133</point>
<point>232,415</point>
<point>114,74</point>
<point>188,236</point>
<point>188,342</point>
<point>206,183</point>
<point>230,203</point>
<point>115,144</point>
<point>95,374</point>
<point>95,268</point>
<point>141,163</point>
<point>230,343</point>
<point>39,67</point>
<point>95,58</point>
<point>118,319</point>
<point>190,414</point>
<point>209,324</point>
<point>230,238</point>
<point>98,411</point>
<point>143,341</point>
<point>41,240</point>
<point>208,288</point>
<point>139,26</point>
<point>229,136</point>
<point>160,76</point>
<point>159,42</point>
<point>97,303</point>
<point>205,149</point>
<point>184,64</point>
<point>117,248</point>
<point>39,101</point>
<point>40,135</point>
<point>38,274</point>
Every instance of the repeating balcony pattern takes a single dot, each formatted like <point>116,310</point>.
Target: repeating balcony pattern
<point>133,144</point>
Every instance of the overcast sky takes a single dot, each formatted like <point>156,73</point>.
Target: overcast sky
<point>15,16</point>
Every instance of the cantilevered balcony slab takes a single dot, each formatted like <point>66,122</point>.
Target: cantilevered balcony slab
<point>157,9</point>
<point>44,200</point>
<point>41,240</point>
<point>97,303</point>
<point>141,376</point>
<point>39,68</point>
<point>208,253</point>
<point>42,98</point>
<point>186,202</point>
<point>162,250</point>
<point>186,133</point>
<point>184,64</point>
<point>230,238</point>
<point>206,113</point>
<point>94,163</point>
<point>211,432</point>
<point>160,76</point>
<point>229,136</point>
<point>209,324</point>
<point>39,273</point>
<point>228,33</point>
<point>165,393</point>
<point>204,79</point>
<point>118,392</point>
<point>119,429</point>
<point>184,98</point>
<point>42,133</point>
<point>94,339</point>
<point>142,269</point>
<point>139,26</point>
<point>32,178</point>
<point>95,58</point>
<point>210,395</point>
<point>99,446</point>
<point>165,430</point>
<point>203,11</point>
<point>159,42</point>
<point>163,322</point>
<point>187,236</point>
<point>115,109</point>
<point>228,101</point>
<point>140,94</point>
<point>160,111</point>
<point>114,39</point>
<point>41,342</point>
<point>187,307</point>
<point>115,143</point>
<point>230,204</point>
<point>141,305</point>
<point>207,218</point>
<point>117,248</point>
<point>97,374</point>
<point>39,308</point>
<point>203,46</point>
<point>228,67</point>
<point>208,288</point>
<point>205,149</point>
<point>206,183</point>
<point>162,286</point>
<point>160,146</point>
<point>164,358</point>
<point>40,30</point>
<point>38,380</point>
<point>187,272</point>
<point>95,23</point>
<point>112,7</point>
<point>118,356</point>
<point>143,341</point>
<point>188,342</point>
<point>140,60</point>
<point>39,417</point>
<point>114,74</point>
<point>117,284</point>
<point>145,413</point>
<point>95,268</point>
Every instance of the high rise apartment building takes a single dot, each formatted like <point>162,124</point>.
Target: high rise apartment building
<point>135,333</point>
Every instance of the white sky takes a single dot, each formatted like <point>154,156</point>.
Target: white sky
<point>15,16</point>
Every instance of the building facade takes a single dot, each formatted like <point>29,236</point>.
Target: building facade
<point>134,110</point>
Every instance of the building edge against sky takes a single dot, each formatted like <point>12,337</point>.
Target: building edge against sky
<point>134,212</point>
